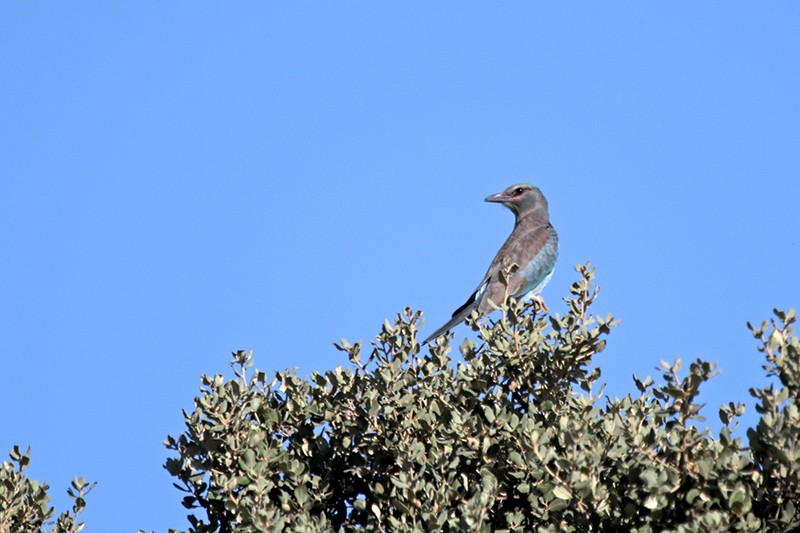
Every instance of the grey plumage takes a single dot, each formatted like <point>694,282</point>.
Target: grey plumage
<point>532,246</point>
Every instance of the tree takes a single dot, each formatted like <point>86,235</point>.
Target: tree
<point>25,503</point>
<point>514,436</point>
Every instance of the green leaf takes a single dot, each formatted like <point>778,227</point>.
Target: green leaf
<point>651,502</point>
<point>561,492</point>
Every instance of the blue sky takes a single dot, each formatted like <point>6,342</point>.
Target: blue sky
<point>181,180</point>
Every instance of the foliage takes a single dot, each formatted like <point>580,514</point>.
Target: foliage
<point>511,437</point>
<point>24,502</point>
<point>775,442</point>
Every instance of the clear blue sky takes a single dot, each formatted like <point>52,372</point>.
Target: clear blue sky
<point>180,180</point>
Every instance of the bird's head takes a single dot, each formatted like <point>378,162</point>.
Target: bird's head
<point>522,199</point>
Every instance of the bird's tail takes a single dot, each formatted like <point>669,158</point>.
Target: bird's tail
<point>458,317</point>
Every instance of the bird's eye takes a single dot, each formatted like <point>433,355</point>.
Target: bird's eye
<point>518,191</point>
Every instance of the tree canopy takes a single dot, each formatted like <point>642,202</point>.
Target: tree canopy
<point>515,435</point>
<point>512,434</point>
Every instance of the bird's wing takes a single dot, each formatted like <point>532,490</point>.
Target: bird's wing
<point>529,247</point>
<point>522,247</point>
<point>539,270</point>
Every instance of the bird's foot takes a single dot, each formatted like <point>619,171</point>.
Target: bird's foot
<point>539,306</point>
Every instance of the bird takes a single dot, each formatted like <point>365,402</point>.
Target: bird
<point>532,246</point>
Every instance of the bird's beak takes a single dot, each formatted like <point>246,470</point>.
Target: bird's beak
<point>498,198</point>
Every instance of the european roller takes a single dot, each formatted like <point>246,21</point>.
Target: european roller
<point>532,246</point>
